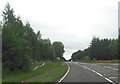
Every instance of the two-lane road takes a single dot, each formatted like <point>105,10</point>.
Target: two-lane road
<point>92,72</point>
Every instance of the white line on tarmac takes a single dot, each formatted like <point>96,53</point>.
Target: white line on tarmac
<point>65,74</point>
<point>92,70</point>
<point>99,74</point>
<point>115,69</point>
<point>111,68</point>
<point>112,77</point>
<point>109,80</point>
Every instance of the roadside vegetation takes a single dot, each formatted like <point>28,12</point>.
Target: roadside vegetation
<point>60,69</point>
<point>23,50</point>
<point>55,75</point>
<point>100,50</point>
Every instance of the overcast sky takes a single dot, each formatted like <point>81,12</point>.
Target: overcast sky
<point>73,22</point>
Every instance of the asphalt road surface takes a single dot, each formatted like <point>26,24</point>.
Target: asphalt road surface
<point>92,72</point>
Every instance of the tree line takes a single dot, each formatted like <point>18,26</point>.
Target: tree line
<point>21,46</point>
<point>99,49</point>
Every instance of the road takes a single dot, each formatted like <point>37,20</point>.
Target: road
<point>92,72</point>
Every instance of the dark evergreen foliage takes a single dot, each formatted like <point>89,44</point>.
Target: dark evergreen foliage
<point>21,45</point>
<point>103,49</point>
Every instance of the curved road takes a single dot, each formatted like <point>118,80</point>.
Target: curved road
<point>92,72</point>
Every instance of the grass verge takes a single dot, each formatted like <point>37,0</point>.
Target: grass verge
<point>21,76</point>
<point>55,75</point>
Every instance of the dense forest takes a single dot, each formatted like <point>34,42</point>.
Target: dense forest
<point>21,46</point>
<point>99,49</point>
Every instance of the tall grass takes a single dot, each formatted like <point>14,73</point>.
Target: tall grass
<point>21,76</point>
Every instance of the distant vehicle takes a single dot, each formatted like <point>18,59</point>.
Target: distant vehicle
<point>71,60</point>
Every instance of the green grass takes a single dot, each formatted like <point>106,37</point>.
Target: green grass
<point>55,75</point>
<point>104,61</point>
<point>21,76</point>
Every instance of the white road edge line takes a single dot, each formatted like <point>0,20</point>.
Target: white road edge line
<point>109,80</point>
<point>99,74</point>
<point>65,74</point>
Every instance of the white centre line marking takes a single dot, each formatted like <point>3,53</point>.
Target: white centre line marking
<point>111,68</point>
<point>99,74</point>
<point>112,77</point>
